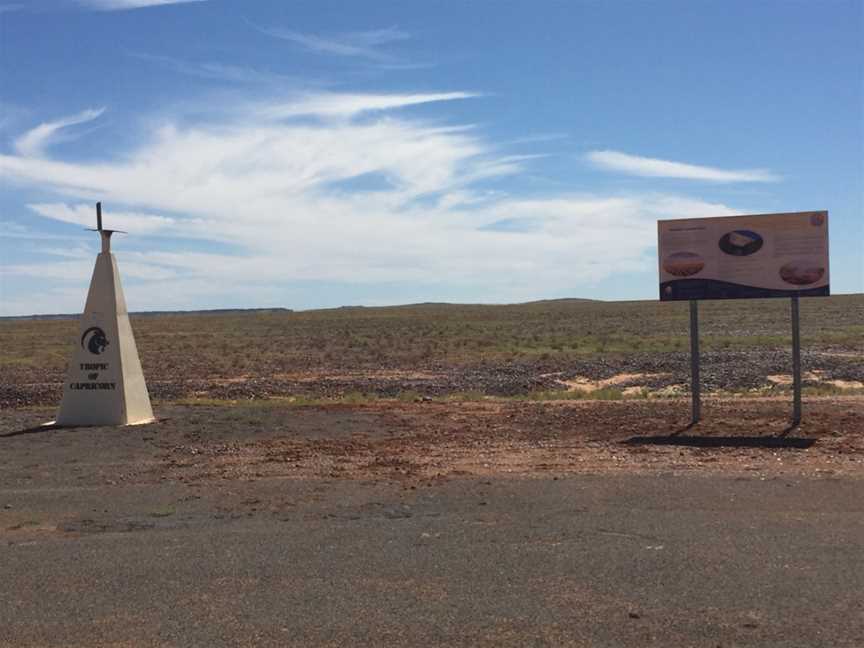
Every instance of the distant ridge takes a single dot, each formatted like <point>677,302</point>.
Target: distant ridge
<point>532,306</point>
<point>562,300</point>
<point>211,311</point>
<point>350,307</point>
<point>238,311</point>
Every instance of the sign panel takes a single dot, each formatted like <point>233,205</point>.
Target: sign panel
<point>739,257</point>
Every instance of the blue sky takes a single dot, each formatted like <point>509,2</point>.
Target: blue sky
<point>315,154</point>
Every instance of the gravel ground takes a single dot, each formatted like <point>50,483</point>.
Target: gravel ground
<point>413,442</point>
<point>720,371</point>
<point>436,350</point>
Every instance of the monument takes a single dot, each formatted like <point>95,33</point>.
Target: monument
<point>104,382</point>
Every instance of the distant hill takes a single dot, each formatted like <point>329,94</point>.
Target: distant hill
<point>563,300</point>
<point>540,305</point>
<point>213,311</point>
<point>238,311</point>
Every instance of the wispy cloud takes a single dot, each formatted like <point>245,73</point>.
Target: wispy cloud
<point>277,194</point>
<point>215,70</point>
<point>120,5</point>
<point>34,142</point>
<point>350,105</point>
<point>655,168</point>
<point>374,37</point>
<point>364,44</point>
<point>84,215</point>
<point>539,138</point>
<point>13,230</point>
<point>80,269</point>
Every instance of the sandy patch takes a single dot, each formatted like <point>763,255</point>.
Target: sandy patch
<point>586,385</point>
<point>785,380</point>
<point>845,384</point>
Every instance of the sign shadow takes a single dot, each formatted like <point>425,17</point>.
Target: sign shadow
<point>44,427</point>
<point>679,439</point>
<point>53,426</point>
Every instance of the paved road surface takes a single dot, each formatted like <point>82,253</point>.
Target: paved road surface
<point>582,561</point>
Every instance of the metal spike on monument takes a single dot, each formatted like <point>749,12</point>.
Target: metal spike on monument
<point>104,382</point>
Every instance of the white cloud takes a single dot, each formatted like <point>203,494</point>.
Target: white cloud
<point>274,192</point>
<point>350,105</point>
<point>120,5</point>
<point>34,142</point>
<point>655,168</point>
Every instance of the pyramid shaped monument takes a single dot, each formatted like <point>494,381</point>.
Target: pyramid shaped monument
<point>104,382</point>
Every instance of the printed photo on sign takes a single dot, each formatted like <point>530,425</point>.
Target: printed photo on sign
<point>741,243</point>
<point>802,273</point>
<point>683,264</point>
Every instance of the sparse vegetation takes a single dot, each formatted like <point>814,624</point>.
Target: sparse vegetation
<point>607,393</point>
<point>470,351</point>
<point>831,390</point>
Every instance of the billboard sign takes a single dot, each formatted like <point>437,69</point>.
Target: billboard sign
<point>739,257</point>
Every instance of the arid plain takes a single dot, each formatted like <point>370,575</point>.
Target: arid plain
<point>444,475</point>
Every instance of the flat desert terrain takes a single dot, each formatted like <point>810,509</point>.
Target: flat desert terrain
<point>445,476</point>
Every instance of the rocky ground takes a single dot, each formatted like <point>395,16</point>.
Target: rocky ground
<point>445,350</point>
<point>663,374</point>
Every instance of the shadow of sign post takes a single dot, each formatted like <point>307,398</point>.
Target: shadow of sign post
<point>800,443</point>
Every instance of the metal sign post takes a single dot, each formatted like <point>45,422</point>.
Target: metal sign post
<point>796,364</point>
<point>694,363</point>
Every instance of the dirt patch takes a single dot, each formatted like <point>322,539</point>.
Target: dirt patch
<point>417,442</point>
<point>846,384</point>
<point>816,378</point>
<point>411,443</point>
<point>786,379</point>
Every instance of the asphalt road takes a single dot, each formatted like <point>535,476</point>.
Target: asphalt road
<point>654,560</point>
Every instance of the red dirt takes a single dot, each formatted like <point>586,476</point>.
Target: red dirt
<point>412,442</point>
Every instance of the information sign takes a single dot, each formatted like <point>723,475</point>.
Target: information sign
<point>739,257</point>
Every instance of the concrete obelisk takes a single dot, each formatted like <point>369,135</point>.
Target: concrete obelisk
<point>104,382</point>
